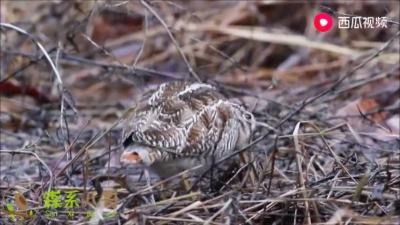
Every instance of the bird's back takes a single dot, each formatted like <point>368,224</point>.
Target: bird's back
<point>182,119</point>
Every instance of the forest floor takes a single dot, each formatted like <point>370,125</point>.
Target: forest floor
<point>328,151</point>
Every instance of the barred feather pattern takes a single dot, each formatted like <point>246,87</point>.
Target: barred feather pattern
<point>182,119</point>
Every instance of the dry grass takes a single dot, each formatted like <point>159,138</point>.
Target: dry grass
<point>328,150</point>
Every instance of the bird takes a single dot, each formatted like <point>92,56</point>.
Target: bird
<point>181,125</point>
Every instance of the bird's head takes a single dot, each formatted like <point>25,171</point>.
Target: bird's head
<point>247,125</point>
<point>138,154</point>
<point>248,118</point>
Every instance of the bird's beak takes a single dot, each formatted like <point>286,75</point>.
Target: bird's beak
<point>129,157</point>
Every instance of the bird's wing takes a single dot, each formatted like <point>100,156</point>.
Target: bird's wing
<point>182,118</point>
<point>214,131</point>
<point>174,111</point>
<point>161,137</point>
<point>229,137</point>
<point>197,96</point>
<point>164,92</point>
<point>145,119</point>
<point>226,130</point>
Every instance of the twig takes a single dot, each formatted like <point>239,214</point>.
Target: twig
<point>42,49</point>
<point>162,218</point>
<point>260,34</point>
<point>36,156</point>
<point>191,71</point>
<point>192,206</point>
<point>226,205</point>
<point>299,161</point>
<point>145,24</point>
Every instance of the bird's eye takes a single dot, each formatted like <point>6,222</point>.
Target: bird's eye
<point>247,116</point>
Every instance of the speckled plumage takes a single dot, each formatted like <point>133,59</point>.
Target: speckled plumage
<point>184,123</point>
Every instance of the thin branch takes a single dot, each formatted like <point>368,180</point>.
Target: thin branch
<point>191,71</point>
<point>36,156</point>
<point>42,49</point>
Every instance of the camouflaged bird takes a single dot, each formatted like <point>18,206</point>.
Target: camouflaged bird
<point>182,125</point>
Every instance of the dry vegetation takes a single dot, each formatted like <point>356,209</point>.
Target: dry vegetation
<point>69,69</point>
